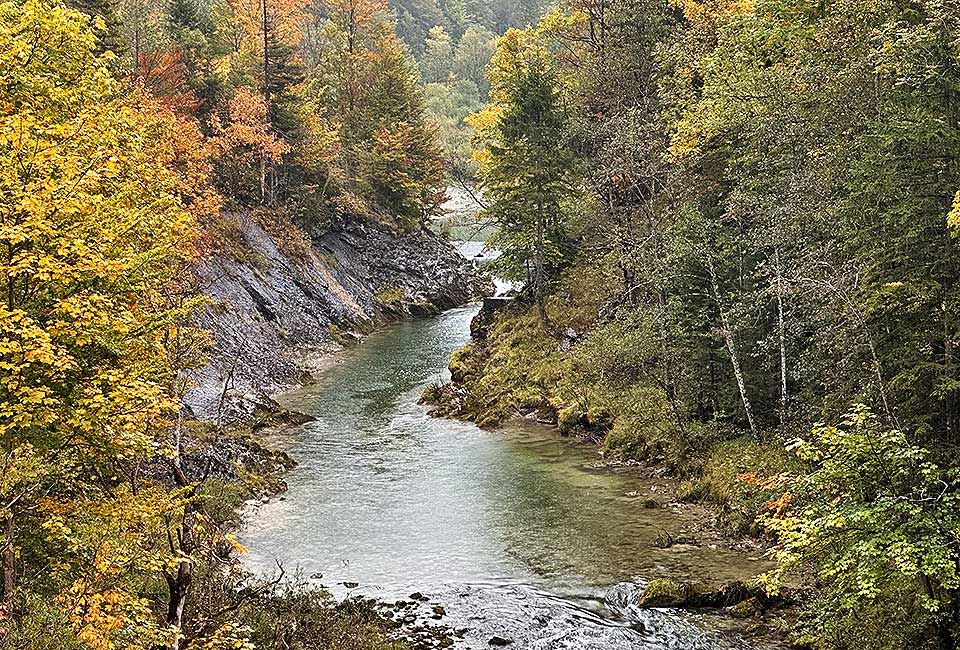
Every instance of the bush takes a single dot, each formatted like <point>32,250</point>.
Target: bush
<point>877,521</point>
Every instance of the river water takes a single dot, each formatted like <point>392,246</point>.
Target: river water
<point>517,533</point>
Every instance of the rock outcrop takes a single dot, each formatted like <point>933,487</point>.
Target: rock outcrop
<point>281,301</point>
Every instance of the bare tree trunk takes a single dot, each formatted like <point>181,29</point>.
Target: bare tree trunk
<point>782,333</point>
<point>861,322</point>
<point>266,63</point>
<point>731,344</point>
<point>950,406</point>
<point>950,399</point>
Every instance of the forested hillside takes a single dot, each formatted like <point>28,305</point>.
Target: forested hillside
<point>453,42</point>
<point>305,106</point>
<point>415,18</point>
<point>134,138</point>
<point>734,223</point>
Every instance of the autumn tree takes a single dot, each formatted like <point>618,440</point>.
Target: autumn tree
<point>526,167</point>
<point>102,191</point>
<point>246,147</point>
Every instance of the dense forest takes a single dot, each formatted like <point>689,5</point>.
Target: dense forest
<point>732,226</point>
<point>734,223</point>
<point>129,132</point>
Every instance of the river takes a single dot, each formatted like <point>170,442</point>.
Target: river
<point>518,533</point>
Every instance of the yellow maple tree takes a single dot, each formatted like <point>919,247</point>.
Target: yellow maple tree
<point>100,191</point>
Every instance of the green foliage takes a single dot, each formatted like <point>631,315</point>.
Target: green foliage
<point>718,481</point>
<point>872,515</point>
<point>760,237</point>
<point>526,166</point>
<point>37,622</point>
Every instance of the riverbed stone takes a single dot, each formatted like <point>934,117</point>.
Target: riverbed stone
<point>750,608</point>
<point>662,592</point>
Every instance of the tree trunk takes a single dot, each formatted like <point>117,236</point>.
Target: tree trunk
<point>179,584</point>
<point>782,334</point>
<point>944,634</point>
<point>185,543</point>
<point>266,63</point>
<point>731,345</point>
<point>9,550</point>
<point>539,271</point>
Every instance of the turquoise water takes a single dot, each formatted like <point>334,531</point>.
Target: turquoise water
<point>517,532</point>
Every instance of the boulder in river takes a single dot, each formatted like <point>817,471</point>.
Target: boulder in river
<point>663,592</point>
<point>750,608</point>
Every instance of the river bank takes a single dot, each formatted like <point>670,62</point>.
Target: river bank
<point>280,296</point>
<point>517,534</point>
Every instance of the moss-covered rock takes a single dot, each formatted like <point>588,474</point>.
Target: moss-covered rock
<point>462,365</point>
<point>750,608</point>
<point>663,592</point>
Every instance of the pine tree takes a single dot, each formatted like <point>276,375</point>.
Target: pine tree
<point>111,38</point>
<point>526,167</point>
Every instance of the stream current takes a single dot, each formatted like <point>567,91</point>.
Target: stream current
<point>518,533</point>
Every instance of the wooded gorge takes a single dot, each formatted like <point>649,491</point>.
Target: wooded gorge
<point>131,135</point>
<point>731,226</point>
<point>734,222</point>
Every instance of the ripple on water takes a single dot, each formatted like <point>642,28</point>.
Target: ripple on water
<point>516,532</point>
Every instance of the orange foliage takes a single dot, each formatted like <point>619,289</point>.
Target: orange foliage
<point>164,74</point>
<point>248,131</point>
<point>285,19</point>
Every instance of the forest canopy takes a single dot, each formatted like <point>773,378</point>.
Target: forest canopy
<point>735,221</point>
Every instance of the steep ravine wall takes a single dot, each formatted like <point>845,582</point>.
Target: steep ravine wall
<point>280,303</point>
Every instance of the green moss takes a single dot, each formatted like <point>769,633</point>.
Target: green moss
<point>750,608</point>
<point>662,592</point>
<point>390,295</point>
<point>515,368</point>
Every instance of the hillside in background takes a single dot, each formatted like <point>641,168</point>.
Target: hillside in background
<point>415,18</point>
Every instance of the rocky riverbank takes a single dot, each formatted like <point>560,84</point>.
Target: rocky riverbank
<point>283,297</point>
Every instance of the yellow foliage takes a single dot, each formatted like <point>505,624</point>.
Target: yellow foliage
<point>710,12</point>
<point>953,218</point>
<point>100,190</point>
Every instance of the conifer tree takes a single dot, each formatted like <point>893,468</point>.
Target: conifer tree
<point>526,168</point>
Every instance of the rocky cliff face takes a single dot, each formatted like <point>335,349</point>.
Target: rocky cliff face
<point>282,301</point>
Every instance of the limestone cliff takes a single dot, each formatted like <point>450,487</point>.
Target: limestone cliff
<point>281,301</point>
